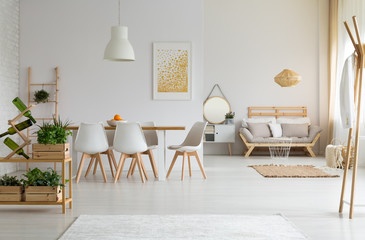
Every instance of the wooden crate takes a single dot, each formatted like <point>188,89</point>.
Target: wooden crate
<point>11,193</point>
<point>49,151</point>
<point>42,194</point>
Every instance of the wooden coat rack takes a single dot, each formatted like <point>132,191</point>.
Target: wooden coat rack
<point>359,50</point>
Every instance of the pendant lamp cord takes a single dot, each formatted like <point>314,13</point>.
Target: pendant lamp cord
<point>119,13</point>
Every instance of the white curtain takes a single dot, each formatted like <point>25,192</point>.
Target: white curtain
<point>347,9</point>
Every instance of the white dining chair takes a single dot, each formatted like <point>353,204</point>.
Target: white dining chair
<point>109,153</point>
<point>91,140</point>
<point>152,143</point>
<point>129,140</point>
<point>189,147</point>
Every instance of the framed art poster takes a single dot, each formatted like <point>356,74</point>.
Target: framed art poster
<point>172,71</point>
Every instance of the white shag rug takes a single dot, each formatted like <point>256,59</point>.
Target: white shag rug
<point>159,227</point>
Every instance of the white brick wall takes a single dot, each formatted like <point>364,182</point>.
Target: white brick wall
<point>9,71</point>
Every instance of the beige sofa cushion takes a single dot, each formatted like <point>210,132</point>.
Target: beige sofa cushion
<point>259,129</point>
<point>296,120</point>
<point>313,131</point>
<point>295,130</point>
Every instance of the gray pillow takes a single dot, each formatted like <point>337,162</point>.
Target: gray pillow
<point>259,129</point>
<point>295,130</point>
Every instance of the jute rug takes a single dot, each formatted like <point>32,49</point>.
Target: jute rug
<point>298,171</point>
<point>197,227</point>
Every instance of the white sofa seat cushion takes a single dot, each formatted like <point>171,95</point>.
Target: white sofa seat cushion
<point>313,131</point>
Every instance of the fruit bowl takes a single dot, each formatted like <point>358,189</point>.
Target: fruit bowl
<point>114,122</point>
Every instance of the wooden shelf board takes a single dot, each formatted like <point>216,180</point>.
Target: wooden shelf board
<point>45,102</point>
<point>59,202</point>
<point>34,160</point>
<point>41,84</point>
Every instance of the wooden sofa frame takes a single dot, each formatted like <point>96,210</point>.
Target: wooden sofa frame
<point>277,112</point>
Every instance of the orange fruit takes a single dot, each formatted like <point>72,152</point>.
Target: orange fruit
<point>117,117</point>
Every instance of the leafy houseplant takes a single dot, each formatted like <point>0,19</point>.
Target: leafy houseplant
<point>42,186</point>
<point>10,181</point>
<point>11,189</point>
<point>36,177</point>
<point>54,132</point>
<point>41,96</point>
<point>230,117</point>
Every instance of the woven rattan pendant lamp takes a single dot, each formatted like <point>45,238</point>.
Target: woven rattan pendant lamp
<point>287,78</point>
<point>119,48</point>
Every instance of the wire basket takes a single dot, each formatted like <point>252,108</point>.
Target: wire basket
<point>282,150</point>
<point>352,155</point>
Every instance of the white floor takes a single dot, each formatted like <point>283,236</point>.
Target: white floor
<point>231,188</point>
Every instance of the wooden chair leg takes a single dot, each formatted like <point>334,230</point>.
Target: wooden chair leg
<point>183,166</point>
<point>132,166</point>
<point>78,175</point>
<point>172,164</point>
<point>139,159</point>
<point>121,171</point>
<point>113,158</point>
<point>200,165</point>
<point>144,169</point>
<point>189,165</point>
<point>90,165</point>
<point>120,167</point>
<point>110,163</point>
<point>96,166</point>
<point>98,157</point>
<point>153,163</point>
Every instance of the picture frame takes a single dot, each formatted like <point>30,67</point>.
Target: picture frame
<point>172,75</point>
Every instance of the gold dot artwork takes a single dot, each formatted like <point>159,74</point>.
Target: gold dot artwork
<point>172,70</point>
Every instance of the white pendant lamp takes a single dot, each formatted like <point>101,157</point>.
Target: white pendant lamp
<point>119,48</point>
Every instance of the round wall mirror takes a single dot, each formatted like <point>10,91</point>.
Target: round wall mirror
<point>215,109</point>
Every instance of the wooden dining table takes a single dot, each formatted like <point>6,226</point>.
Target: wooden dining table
<point>161,152</point>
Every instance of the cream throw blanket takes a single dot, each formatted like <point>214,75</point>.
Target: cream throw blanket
<point>334,156</point>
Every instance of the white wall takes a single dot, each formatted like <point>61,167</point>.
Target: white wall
<point>244,44</point>
<point>72,34</point>
<point>248,42</point>
<point>9,72</point>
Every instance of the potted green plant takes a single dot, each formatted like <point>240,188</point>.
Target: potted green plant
<point>11,189</point>
<point>230,117</point>
<point>52,140</point>
<point>41,96</point>
<point>42,185</point>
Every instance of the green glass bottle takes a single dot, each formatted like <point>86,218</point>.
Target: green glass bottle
<point>19,126</point>
<point>21,106</point>
<point>13,145</point>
